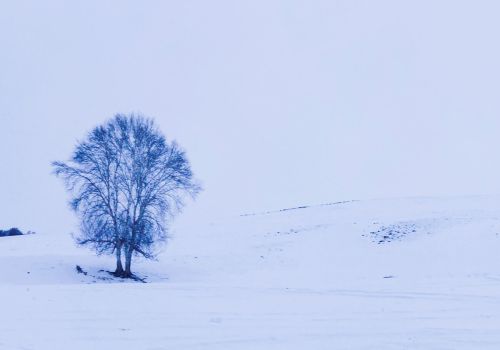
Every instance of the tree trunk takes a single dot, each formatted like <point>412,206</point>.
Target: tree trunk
<point>119,266</point>
<point>128,263</point>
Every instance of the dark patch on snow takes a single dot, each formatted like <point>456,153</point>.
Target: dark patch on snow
<point>106,278</point>
<point>14,232</point>
<point>382,234</point>
<point>132,277</point>
<point>80,270</point>
<point>286,232</point>
<point>297,230</point>
<point>11,232</point>
<point>298,208</point>
<point>394,232</point>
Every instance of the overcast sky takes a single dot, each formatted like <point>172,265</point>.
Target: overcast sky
<point>278,103</point>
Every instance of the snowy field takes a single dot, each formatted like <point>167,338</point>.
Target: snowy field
<point>382,274</point>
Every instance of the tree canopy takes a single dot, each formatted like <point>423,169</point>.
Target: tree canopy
<point>126,179</point>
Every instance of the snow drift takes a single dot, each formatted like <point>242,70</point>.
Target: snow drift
<point>417,273</point>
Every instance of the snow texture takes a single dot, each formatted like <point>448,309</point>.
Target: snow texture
<point>416,273</point>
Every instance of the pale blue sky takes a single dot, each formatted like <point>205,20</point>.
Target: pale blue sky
<point>278,103</point>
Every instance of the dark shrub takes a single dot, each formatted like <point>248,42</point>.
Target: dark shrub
<point>12,232</point>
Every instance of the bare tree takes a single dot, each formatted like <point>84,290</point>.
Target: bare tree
<point>126,180</point>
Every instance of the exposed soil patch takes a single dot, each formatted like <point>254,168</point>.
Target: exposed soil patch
<point>394,232</point>
<point>112,277</point>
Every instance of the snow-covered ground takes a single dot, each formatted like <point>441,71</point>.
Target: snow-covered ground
<point>383,274</point>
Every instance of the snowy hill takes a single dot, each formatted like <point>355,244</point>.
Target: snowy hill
<point>417,273</point>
